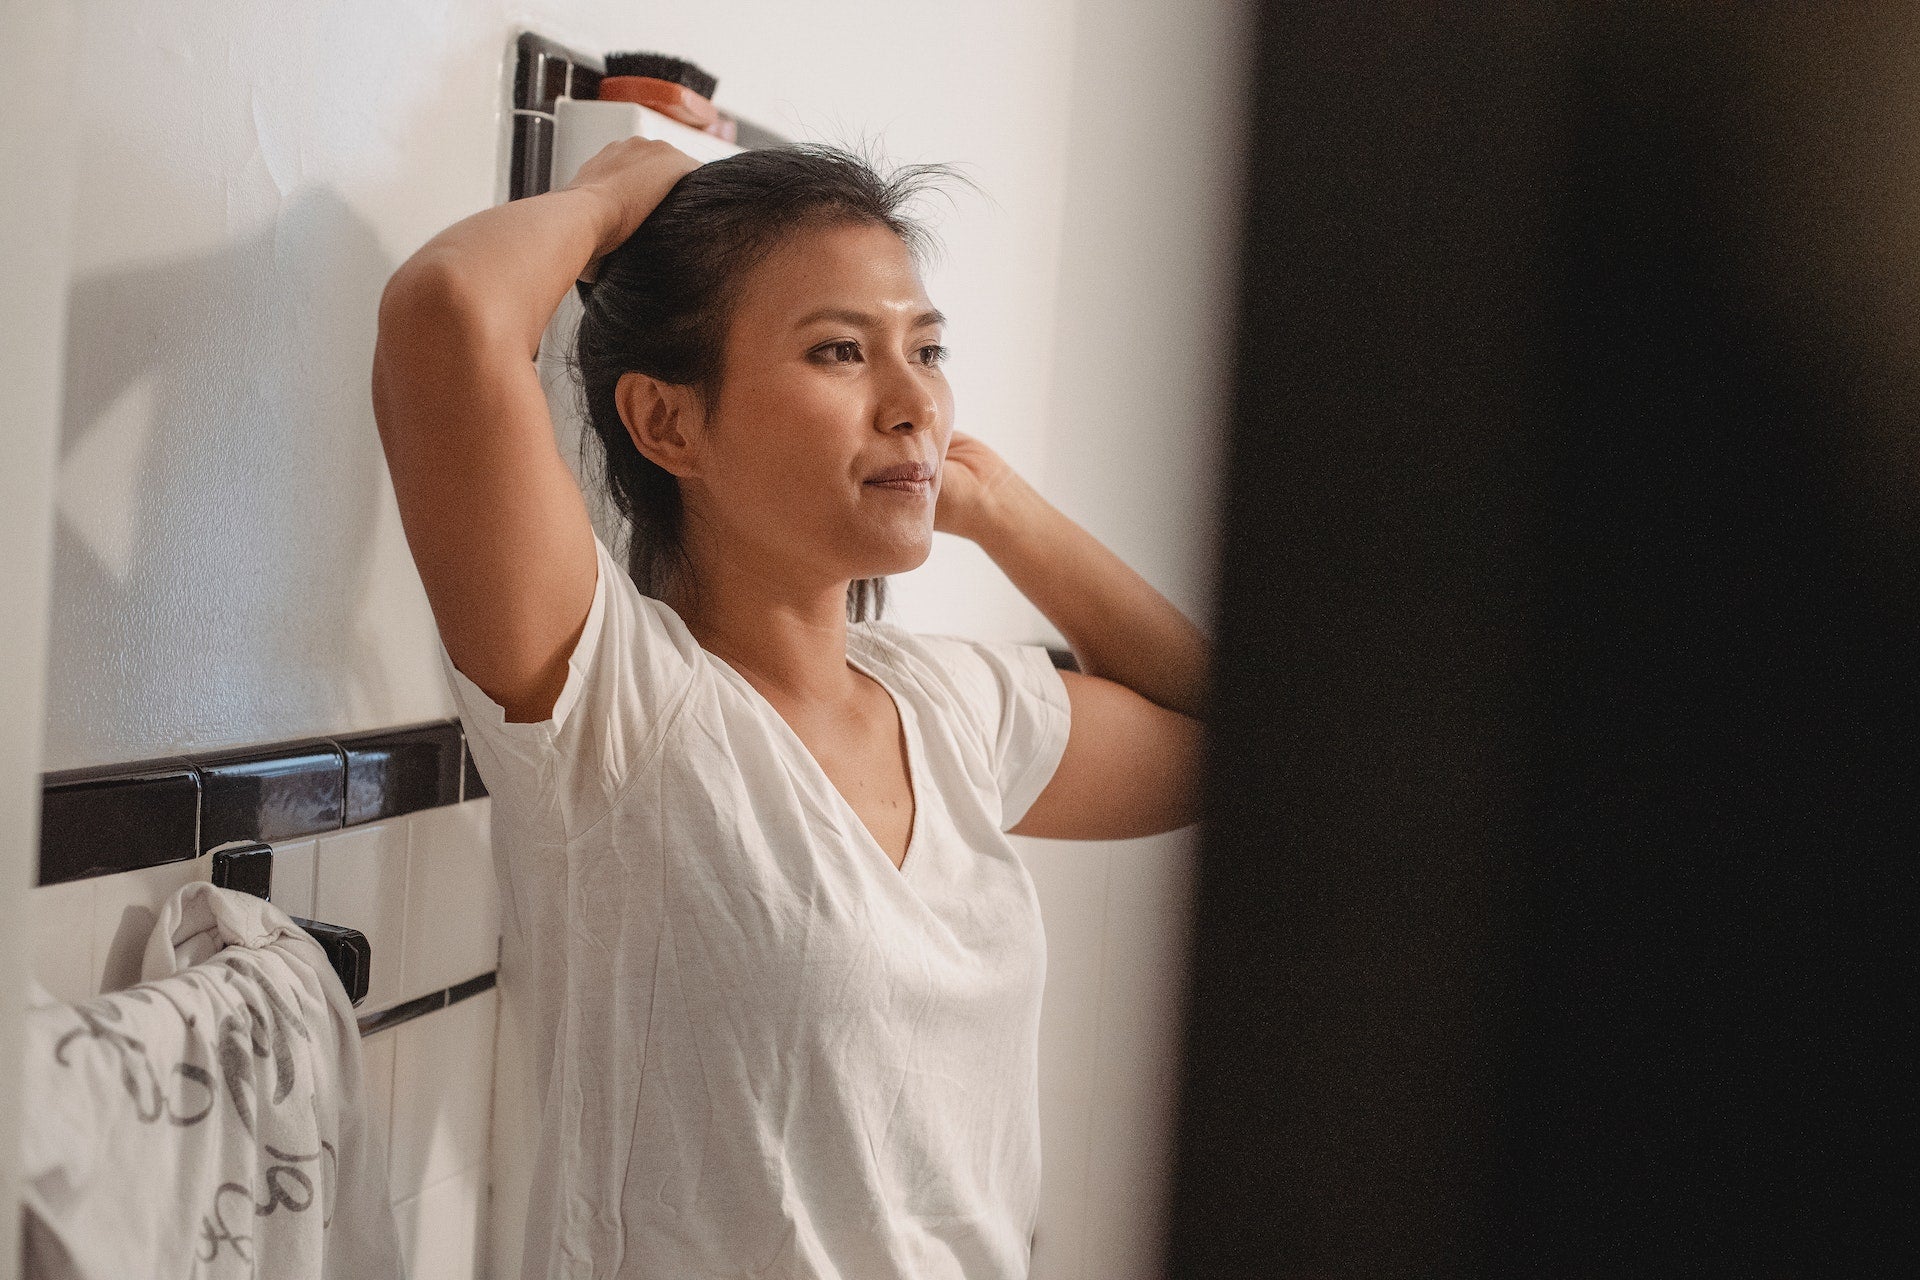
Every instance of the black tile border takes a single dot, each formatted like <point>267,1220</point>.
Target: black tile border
<point>472,987</point>
<point>394,771</point>
<point>270,793</point>
<point>421,1006</point>
<point>471,786</point>
<point>543,70</point>
<point>105,819</point>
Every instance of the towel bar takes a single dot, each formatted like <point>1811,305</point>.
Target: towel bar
<point>249,869</point>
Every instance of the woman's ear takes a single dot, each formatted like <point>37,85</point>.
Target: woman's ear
<point>662,419</point>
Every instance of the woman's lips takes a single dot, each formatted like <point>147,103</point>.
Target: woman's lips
<point>921,487</point>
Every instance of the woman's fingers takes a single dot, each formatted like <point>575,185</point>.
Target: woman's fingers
<point>636,174</point>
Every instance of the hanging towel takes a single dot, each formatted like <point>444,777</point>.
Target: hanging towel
<point>211,1122</point>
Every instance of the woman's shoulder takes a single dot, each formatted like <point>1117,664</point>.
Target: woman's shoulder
<point>645,617</point>
<point>979,674</point>
<point>910,652</point>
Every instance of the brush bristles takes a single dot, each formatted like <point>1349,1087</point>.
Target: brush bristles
<point>662,66</point>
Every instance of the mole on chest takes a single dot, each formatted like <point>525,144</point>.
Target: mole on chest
<point>877,788</point>
<point>872,773</point>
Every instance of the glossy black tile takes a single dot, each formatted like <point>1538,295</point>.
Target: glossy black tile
<point>421,1006</point>
<point>396,771</point>
<point>472,786</point>
<point>471,987</point>
<point>277,792</point>
<point>539,73</point>
<point>531,162</point>
<point>121,817</point>
<point>407,1011</point>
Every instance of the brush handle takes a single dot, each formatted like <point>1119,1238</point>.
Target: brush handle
<point>675,101</point>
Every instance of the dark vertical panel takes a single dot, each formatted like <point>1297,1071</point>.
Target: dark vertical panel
<point>1378,511</point>
<point>1725,818</point>
<point>1553,914</point>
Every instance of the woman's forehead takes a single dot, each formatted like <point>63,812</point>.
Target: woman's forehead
<point>865,269</point>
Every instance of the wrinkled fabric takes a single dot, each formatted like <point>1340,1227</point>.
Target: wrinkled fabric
<point>210,1122</point>
<point>760,1048</point>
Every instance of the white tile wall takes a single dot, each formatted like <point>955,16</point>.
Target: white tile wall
<point>431,1079</point>
<point>440,1227</point>
<point>125,909</point>
<point>442,1092</point>
<point>377,1068</point>
<point>1117,916</point>
<point>422,889</point>
<point>361,882</point>
<point>515,1138</point>
<point>62,916</point>
<point>293,873</point>
<point>453,913</point>
<point>1071,880</point>
<point>1136,1092</point>
<point>437,1164</point>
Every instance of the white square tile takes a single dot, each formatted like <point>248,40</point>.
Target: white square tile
<point>62,917</point>
<point>376,1054</point>
<point>1072,888</point>
<point>440,1228</point>
<point>515,1139</point>
<point>360,881</point>
<point>1136,1094</point>
<point>453,904</point>
<point>125,908</point>
<point>293,872</point>
<point>442,1093</point>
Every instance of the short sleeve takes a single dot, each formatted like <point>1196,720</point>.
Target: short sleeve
<point>1019,702</point>
<point>625,678</point>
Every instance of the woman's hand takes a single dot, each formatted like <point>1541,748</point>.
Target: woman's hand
<point>975,483</point>
<point>633,175</point>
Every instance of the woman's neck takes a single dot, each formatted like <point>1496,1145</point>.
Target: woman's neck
<point>787,639</point>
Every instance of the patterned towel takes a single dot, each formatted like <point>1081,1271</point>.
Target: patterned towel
<point>211,1122</point>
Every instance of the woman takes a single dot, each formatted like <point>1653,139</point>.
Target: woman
<point>783,966</point>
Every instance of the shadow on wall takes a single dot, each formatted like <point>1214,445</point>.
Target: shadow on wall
<point>219,481</point>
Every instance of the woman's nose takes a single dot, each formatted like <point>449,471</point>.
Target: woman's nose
<point>911,404</point>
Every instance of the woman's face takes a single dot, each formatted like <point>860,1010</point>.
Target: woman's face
<point>832,371</point>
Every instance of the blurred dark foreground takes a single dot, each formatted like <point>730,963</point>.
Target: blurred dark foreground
<point>1554,912</point>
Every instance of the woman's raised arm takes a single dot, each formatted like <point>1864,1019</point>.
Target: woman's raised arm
<point>1135,746</point>
<point>496,525</point>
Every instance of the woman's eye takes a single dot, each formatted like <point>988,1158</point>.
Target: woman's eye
<point>930,355</point>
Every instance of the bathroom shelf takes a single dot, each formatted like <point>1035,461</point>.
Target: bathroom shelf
<point>546,71</point>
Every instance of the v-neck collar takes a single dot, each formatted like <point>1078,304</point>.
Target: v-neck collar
<point>797,747</point>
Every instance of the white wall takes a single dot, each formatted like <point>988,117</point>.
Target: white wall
<point>36,53</point>
<point>247,180</point>
<point>228,565</point>
<point>1142,338</point>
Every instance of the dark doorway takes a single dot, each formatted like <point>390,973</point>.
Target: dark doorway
<point>1564,799</point>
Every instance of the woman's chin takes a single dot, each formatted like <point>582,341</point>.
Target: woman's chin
<point>901,556</point>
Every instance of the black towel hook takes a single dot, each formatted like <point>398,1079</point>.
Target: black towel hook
<point>249,869</point>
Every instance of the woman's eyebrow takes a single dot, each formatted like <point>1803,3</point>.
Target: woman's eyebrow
<point>845,316</point>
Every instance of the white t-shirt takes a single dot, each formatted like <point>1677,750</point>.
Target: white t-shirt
<point>763,1050</point>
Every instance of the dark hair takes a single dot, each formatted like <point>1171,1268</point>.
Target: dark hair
<point>662,301</point>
